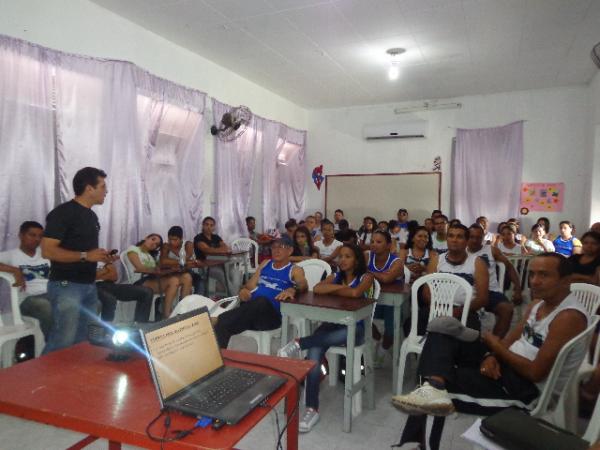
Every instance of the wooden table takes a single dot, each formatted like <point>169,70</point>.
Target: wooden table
<point>344,311</point>
<point>395,295</point>
<point>78,389</point>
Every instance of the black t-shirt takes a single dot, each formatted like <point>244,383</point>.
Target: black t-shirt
<point>77,228</point>
<point>584,269</point>
<point>214,242</point>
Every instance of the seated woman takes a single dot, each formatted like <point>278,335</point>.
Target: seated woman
<point>538,244</point>
<point>585,265</point>
<point>177,253</point>
<point>507,243</point>
<point>566,244</point>
<point>352,280</point>
<point>386,268</point>
<point>543,221</point>
<point>142,257</point>
<point>303,246</point>
<point>417,254</point>
<point>329,247</point>
<point>366,232</point>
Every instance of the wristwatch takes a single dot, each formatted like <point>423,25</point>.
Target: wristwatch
<point>83,256</point>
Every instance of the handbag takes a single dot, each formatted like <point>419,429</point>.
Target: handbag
<point>514,429</point>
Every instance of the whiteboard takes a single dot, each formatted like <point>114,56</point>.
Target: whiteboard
<point>381,195</point>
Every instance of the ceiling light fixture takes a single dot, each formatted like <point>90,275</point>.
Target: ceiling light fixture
<point>394,70</point>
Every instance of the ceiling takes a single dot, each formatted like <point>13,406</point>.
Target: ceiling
<point>322,54</point>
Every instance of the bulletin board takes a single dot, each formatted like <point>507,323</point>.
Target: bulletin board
<point>381,195</point>
<point>542,196</point>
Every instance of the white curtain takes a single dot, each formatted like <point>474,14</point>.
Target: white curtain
<point>234,175</point>
<point>143,131</point>
<point>26,138</point>
<point>486,173</point>
<point>284,175</point>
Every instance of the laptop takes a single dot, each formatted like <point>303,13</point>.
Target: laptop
<point>189,374</point>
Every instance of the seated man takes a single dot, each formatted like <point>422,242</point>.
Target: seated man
<point>109,292</point>
<point>275,280</point>
<point>484,376</point>
<point>31,274</point>
<point>497,302</point>
<point>459,262</point>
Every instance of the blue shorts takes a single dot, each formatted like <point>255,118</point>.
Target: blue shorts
<point>494,299</point>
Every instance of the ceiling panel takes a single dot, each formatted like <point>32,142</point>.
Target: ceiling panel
<point>327,53</point>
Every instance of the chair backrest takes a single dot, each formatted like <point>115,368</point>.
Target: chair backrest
<point>313,271</point>
<point>588,295</point>
<point>127,267</point>
<point>242,244</point>
<point>15,312</point>
<point>521,265</point>
<point>376,289</point>
<point>576,348</point>
<point>592,432</point>
<point>443,288</point>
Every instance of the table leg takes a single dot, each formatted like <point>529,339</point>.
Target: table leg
<point>291,410</point>
<point>397,343</point>
<point>226,270</point>
<point>113,445</point>
<point>285,325</point>
<point>206,282</point>
<point>349,378</point>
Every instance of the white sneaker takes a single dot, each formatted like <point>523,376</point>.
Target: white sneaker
<point>309,420</point>
<point>425,400</point>
<point>290,350</point>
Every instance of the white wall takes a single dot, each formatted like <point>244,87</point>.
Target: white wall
<point>556,142</point>
<point>85,28</point>
<point>594,134</point>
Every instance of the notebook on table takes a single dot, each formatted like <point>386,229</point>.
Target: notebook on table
<point>189,374</point>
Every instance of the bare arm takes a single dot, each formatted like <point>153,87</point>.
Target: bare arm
<point>246,291</point>
<point>395,272</point>
<point>482,279</point>
<point>16,272</point>
<point>208,250</point>
<point>301,285</point>
<point>565,326</point>
<point>333,256</point>
<point>327,286</point>
<point>52,250</point>
<point>164,257</point>
<point>107,273</point>
<point>137,264</point>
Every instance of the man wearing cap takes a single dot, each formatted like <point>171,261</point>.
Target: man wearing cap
<point>480,376</point>
<point>276,279</point>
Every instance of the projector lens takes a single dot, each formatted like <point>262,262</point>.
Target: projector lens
<point>120,337</point>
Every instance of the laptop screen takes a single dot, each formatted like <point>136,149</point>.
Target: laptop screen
<point>182,352</point>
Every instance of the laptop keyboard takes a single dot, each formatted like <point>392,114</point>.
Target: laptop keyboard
<point>213,398</point>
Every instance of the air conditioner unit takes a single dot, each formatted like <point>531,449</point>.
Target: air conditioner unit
<point>409,129</point>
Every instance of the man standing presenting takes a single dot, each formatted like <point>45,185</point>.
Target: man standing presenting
<point>71,244</point>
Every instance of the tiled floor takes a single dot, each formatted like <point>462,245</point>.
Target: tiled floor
<point>373,429</point>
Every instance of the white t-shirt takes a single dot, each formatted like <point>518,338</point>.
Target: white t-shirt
<point>536,248</point>
<point>35,270</point>
<point>437,245</point>
<point>145,258</point>
<point>327,250</point>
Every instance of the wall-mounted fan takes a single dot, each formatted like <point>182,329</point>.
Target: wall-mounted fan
<point>233,124</point>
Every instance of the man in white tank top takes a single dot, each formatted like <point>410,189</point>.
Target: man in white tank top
<point>497,301</point>
<point>486,375</point>
<point>457,261</point>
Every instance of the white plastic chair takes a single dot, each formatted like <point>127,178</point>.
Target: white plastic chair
<point>443,287</point>
<point>313,271</point>
<point>14,327</point>
<point>589,296</point>
<point>501,274</point>
<point>195,301</point>
<point>246,244</point>
<point>125,310</point>
<point>333,354</point>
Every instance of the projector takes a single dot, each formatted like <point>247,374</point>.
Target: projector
<point>123,338</point>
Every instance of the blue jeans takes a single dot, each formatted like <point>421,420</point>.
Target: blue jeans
<point>73,306</point>
<point>327,335</point>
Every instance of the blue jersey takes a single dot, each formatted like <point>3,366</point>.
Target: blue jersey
<point>566,247</point>
<point>339,279</point>
<point>273,281</point>
<point>386,267</point>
